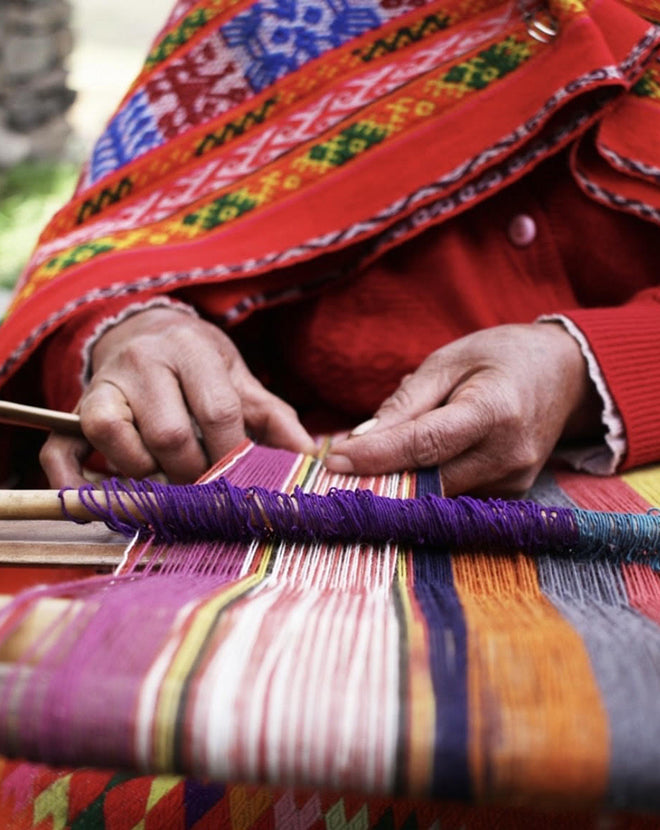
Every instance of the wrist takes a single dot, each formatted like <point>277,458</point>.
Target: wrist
<point>135,319</point>
<point>583,403</point>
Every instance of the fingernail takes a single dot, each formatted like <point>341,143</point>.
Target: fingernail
<point>360,429</point>
<point>338,463</point>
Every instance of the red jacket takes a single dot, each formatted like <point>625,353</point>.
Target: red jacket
<point>539,247</point>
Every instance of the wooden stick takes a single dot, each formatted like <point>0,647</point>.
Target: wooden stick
<point>34,505</point>
<point>20,553</point>
<point>52,543</point>
<point>34,416</point>
<point>45,504</point>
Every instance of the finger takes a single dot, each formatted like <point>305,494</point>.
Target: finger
<point>62,458</point>
<point>273,422</point>
<point>269,419</point>
<point>480,474</point>
<point>107,421</point>
<point>213,401</point>
<point>163,419</point>
<point>432,439</point>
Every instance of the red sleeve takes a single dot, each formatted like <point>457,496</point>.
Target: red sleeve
<point>613,258</point>
<point>625,341</point>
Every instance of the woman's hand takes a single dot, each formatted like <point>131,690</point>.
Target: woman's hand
<point>488,409</point>
<point>169,392</point>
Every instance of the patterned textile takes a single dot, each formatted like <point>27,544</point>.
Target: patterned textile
<point>262,134</point>
<point>35,797</point>
<point>422,672</point>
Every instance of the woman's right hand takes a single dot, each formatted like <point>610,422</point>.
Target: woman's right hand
<point>169,392</point>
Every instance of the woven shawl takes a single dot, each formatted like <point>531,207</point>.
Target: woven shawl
<point>258,135</point>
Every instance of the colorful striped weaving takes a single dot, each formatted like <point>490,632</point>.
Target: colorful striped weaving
<point>385,684</point>
<point>387,670</point>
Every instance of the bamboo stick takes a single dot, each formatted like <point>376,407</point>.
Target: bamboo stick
<point>22,505</point>
<point>19,552</point>
<point>34,416</point>
<point>55,543</point>
<point>39,504</point>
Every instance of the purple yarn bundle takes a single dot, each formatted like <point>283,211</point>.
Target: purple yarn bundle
<point>219,510</point>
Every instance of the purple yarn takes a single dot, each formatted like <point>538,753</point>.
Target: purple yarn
<point>220,511</point>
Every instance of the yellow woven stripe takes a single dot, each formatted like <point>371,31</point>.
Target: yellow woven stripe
<point>246,805</point>
<point>648,86</point>
<point>646,482</point>
<point>160,787</point>
<point>190,647</point>
<point>421,714</point>
<point>187,653</point>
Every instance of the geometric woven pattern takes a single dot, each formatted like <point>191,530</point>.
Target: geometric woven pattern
<point>37,797</point>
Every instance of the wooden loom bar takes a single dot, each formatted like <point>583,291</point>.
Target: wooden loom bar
<point>18,505</point>
<point>54,543</point>
<point>34,416</point>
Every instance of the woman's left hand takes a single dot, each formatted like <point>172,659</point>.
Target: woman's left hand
<point>488,409</point>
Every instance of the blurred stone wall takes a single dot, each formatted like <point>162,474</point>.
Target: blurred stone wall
<point>35,41</point>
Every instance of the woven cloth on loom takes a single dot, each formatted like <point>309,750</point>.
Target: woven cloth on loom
<point>426,672</point>
<point>36,797</point>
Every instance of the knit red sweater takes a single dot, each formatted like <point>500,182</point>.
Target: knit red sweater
<point>540,247</point>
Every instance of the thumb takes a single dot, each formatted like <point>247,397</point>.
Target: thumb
<point>62,458</point>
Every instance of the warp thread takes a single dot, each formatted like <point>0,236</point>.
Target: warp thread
<point>219,510</point>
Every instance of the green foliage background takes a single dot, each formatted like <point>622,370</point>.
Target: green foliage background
<point>30,193</point>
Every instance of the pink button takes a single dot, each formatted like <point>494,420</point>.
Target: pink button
<point>522,230</point>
